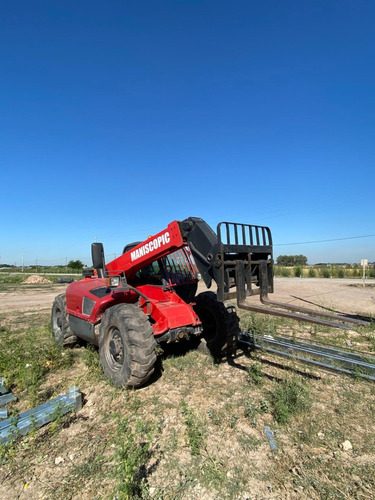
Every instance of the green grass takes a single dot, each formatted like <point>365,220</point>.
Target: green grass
<point>261,324</point>
<point>28,356</point>
<point>255,373</point>
<point>290,397</point>
<point>194,428</point>
<point>90,356</point>
<point>132,451</point>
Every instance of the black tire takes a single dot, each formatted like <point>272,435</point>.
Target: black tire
<point>220,325</point>
<point>127,346</point>
<point>61,331</point>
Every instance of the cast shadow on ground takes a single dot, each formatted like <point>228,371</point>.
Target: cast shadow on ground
<point>250,353</point>
<point>180,349</point>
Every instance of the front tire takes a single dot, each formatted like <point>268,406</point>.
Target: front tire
<point>126,346</point>
<point>220,324</point>
<point>61,332</point>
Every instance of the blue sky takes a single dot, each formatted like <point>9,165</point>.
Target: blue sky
<point>118,117</point>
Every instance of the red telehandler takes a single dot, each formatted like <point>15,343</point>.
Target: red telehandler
<point>147,296</point>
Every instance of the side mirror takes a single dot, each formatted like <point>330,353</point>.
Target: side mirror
<point>98,261</point>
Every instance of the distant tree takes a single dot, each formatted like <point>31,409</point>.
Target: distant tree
<point>75,264</point>
<point>300,260</point>
<point>283,260</point>
<point>291,260</point>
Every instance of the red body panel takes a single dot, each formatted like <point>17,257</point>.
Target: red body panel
<point>79,290</point>
<point>167,309</point>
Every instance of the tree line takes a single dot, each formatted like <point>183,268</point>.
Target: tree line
<point>291,260</point>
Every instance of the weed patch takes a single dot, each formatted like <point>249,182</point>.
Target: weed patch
<point>255,374</point>
<point>194,430</point>
<point>290,398</point>
<point>132,452</point>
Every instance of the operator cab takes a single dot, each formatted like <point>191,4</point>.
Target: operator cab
<point>177,270</point>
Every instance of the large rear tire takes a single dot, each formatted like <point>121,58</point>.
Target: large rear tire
<point>126,346</point>
<point>61,332</point>
<point>220,324</point>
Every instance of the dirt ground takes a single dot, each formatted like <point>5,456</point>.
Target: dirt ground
<point>346,296</point>
<point>76,460</point>
<point>31,298</point>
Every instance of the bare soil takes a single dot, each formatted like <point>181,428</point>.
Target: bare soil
<point>346,296</point>
<point>30,298</point>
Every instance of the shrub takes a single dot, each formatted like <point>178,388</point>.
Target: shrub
<point>312,272</point>
<point>326,273</point>
<point>298,271</point>
<point>341,273</point>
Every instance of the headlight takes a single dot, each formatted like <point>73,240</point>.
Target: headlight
<point>113,281</point>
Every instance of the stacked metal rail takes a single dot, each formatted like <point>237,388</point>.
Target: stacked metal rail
<point>19,425</point>
<point>323,357</point>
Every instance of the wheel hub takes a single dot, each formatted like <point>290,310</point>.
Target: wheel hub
<point>116,348</point>
<point>59,319</point>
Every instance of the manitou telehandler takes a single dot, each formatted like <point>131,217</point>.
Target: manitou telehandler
<point>147,296</point>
